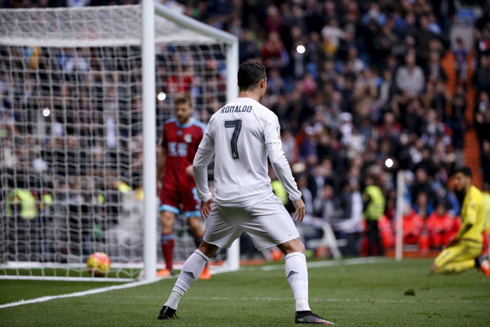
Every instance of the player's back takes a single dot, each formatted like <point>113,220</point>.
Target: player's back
<point>240,131</point>
<point>486,202</point>
<point>474,203</point>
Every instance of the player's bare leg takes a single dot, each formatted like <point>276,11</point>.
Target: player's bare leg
<point>297,277</point>
<point>167,219</point>
<point>191,271</point>
<point>197,233</point>
<point>196,229</point>
<point>292,246</point>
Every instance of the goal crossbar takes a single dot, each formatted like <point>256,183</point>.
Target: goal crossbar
<point>82,27</point>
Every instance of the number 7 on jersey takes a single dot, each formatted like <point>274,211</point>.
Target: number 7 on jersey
<point>237,125</point>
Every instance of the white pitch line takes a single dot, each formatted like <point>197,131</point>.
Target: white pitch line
<point>321,264</point>
<point>77,294</point>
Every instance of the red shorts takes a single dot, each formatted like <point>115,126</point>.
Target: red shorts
<point>180,200</point>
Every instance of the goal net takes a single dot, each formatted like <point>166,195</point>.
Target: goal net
<point>71,133</point>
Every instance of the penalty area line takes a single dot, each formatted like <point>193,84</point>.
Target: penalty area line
<point>322,264</point>
<point>78,294</point>
<point>284,299</point>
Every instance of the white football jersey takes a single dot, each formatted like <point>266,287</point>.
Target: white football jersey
<point>242,134</point>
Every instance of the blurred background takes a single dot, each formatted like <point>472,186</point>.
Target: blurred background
<point>362,89</point>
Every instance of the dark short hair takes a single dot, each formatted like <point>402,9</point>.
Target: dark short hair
<point>465,171</point>
<point>249,75</point>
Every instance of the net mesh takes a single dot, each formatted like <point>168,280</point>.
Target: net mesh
<point>96,26</point>
<point>71,145</point>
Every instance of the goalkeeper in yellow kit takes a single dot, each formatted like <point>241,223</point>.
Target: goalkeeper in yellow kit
<point>462,252</point>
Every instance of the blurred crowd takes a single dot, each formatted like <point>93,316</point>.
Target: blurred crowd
<point>71,143</point>
<point>360,92</point>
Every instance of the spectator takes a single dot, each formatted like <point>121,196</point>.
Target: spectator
<point>439,226</point>
<point>384,43</point>
<point>332,34</point>
<point>410,78</point>
<point>307,196</point>
<point>458,120</point>
<point>482,117</point>
<point>273,52</point>
<point>412,226</point>
<point>387,88</point>
<point>485,161</point>
<point>421,185</point>
<point>460,55</point>
<point>350,227</point>
<point>422,206</point>
<point>326,205</point>
<point>482,74</point>
<point>434,70</point>
<point>248,48</point>
<point>424,36</point>
<point>410,28</point>
<point>274,22</point>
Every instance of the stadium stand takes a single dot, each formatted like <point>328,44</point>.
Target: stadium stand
<point>355,83</point>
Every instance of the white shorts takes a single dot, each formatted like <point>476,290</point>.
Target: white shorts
<point>268,223</point>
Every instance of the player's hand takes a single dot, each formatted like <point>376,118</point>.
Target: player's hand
<point>206,208</point>
<point>188,171</point>
<point>299,215</point>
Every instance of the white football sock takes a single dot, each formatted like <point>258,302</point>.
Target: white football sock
<point>297,277</point>
<point>191,271</point>
<point>173,300</point>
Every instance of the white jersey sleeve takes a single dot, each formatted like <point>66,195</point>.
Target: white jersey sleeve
<point>207,142</point>
<point>200,169</point>
<point>200,164</point>
<point>272,130</point>
<point>282,169</point>
<point>272,135</point>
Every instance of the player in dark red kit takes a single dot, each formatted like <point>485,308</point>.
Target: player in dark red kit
<point>180,138</point>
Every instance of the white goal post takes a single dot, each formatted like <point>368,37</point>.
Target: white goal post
<point>400,202</point>
<point>78,106</point>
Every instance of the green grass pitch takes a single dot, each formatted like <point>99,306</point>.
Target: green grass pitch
<point>349,295</point>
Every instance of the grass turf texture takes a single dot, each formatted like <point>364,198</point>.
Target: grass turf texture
<point>355,295</point>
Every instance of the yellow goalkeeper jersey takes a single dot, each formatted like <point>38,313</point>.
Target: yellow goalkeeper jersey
<point>472,216</point>
<point>486,201</point>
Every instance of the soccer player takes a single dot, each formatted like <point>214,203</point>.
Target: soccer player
<point>242,135</point>
<point>462,252</point>
<point>374,208</point>
<point>180,138</point>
